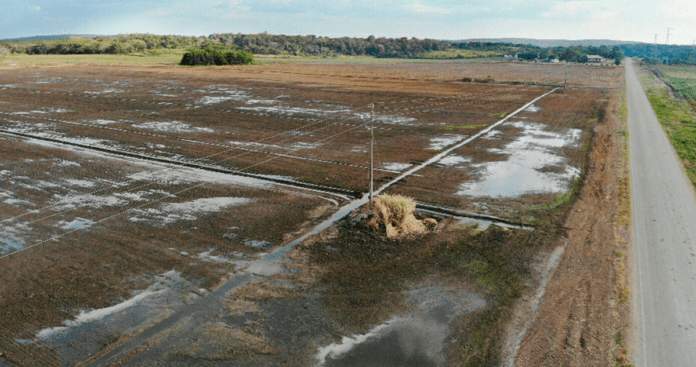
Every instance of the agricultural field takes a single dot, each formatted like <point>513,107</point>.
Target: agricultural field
<point>682,79</point>
<point>155,214</point>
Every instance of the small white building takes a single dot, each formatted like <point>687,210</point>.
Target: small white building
<point>596,59</point>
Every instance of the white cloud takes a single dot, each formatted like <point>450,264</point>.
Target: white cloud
<point>678,9</point>
<point>427,9</point>
<point>564,9</point>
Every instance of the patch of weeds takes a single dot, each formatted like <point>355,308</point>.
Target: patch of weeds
<point>622,360</point>
<point>562,200</point>
<point>260,292</point>
<point>623,296</point>
<point>365,273</point>
<point>515,82</point>
<point>624,177</point>
<point>623,110</point>
<point>238,307</point>
<point>223,342</point>
<point>483,273</point>
<point>496,259</point>
<point>449,128</point>
<point>599,110</point>
<point>619,254</point>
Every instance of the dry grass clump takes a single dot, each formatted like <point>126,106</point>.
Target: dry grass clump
<point>223,342</point>
<point>394,214</point>
<point>238,306</point>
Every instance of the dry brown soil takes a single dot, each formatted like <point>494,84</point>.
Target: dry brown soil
<point>585,309</point>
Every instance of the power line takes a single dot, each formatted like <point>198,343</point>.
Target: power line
<point>206,157</point>
<point>220,161</point>
<point>149,202</point>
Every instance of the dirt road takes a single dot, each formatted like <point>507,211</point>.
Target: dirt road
<point>664,222</point>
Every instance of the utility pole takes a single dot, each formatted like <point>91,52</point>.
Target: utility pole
<point>668,35</point>
<point>372,152</point>
<point>565,81</point>
<point>655,38</point>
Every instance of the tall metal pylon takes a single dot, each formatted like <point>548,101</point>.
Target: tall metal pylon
<point>668,35</point>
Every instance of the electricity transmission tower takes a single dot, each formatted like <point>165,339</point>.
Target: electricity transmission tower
<point>668,35</point>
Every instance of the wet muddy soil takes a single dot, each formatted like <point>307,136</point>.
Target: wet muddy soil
<point>154,264</point>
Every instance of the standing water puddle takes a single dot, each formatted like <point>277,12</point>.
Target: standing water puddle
<point>87,333</point>
<point>533,165</point>
<point>416,339</point>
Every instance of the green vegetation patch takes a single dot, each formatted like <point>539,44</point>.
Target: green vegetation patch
<point>683,80</point>
<point>679,126</point>
<point>211,56</point>
<point>366,273</point>
<point>465,54</point>
<point>449,128</point>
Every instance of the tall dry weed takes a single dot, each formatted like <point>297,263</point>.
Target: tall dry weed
<point>394,214</point>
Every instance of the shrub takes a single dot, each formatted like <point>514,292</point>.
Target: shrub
<point>211,56</point>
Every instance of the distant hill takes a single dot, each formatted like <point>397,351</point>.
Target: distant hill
<point>49,38</point>
<point>553,43</point>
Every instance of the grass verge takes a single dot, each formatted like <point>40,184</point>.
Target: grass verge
<point>678,124</point>
<point>621,261</point>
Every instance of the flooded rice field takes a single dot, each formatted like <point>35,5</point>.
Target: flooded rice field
<point>533,164</point>
<point>196,219</point>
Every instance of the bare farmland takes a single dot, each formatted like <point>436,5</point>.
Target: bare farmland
<point>141,190</point>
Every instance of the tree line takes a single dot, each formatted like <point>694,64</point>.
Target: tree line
<point>574,53</point>
<point>662,54</point>
<point>269,44</point>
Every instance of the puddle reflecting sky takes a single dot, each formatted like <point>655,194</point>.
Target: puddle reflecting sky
<point>416,339</point>
<point>534,165</point>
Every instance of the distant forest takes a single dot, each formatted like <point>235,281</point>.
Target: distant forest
<point>409,48</point>
<point>267,44</point>
<point>662,54</point>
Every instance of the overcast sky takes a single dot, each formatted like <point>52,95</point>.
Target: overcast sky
<point>626,20</point>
